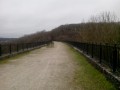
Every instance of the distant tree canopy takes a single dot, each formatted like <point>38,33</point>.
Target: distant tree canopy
<point>89,32</point>
<point>103,28</point>
<point>36,37</point>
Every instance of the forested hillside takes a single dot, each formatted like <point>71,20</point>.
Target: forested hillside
<point>89,32</point>
<point>103,28</point>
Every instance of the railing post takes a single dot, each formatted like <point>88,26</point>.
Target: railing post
<point>92,50</point>
<point>0,50</point>
<point>87,47</point>
<point>27,45</point>
<point>100,54</point>
<point>23,46</point>
<point>10,48</point>
<point>107,51</point>
<point>17,48</point>
<point>114,58</point>
<point>37,44</point>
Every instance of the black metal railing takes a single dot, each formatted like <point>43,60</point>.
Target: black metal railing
<point>8,49</point>
<point>105,54</point>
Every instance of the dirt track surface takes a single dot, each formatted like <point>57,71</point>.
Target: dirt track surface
<point>48,68</point>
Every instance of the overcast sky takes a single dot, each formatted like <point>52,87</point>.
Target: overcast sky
<point>20,17</point>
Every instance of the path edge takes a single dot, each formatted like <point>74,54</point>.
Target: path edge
<point>109,75</point>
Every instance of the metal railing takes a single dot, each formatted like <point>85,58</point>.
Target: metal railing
<point>106,54</point>
<point>8,49</point>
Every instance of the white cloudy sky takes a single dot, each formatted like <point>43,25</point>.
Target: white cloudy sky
<point>19,17</point>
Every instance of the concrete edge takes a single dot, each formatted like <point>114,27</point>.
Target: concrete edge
<point>109,75</point>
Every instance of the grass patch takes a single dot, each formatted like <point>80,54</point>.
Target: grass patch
<point>87,77</point>
<point>6,60</point>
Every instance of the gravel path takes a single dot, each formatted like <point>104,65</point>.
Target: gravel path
<point>48,68</point>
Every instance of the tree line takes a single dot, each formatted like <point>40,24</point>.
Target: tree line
<point>102,28</point>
